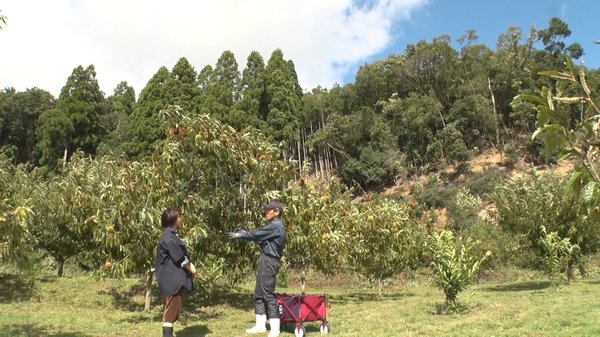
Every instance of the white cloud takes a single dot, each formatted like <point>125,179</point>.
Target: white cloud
<point>130,40</point>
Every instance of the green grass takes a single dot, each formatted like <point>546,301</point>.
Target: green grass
<point>84,306</point>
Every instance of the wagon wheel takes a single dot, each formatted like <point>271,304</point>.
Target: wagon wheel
<point>299,331</point>
<point>325,328</point>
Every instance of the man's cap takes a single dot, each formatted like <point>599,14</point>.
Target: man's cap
<point>274,205</point>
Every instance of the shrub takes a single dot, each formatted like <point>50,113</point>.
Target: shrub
<point>454,266</point>
<point>528,203</point>
<point>511,156</point>
<point>464,211</point>
<point>559,254</point>
<point>483,183</point>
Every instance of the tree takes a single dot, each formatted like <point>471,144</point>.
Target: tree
<point>222,90</point>
<point>365,145</point>
<point>251,108</point>
<point>560,255</point>
<point>473,115</point>
<point>19,114</point>
<point>385,240</point>
<point>573,136</point>
<point>472,112</point>
<point>316,112</point>
<point>454,266</point>
<point>284,101</point>
<point>178,87</point>
<point>430,69</point>
<point>315,219</point>
<point>218,177</point>
<point>183,86</point>
<point>121,103</point>
<point>144,124</point>
<point>512,73</point>
<point>555,48</point>
<point>203,81</point>
<point>15,212</point>
<point>415,122</point>
<point>530,202</point>
<point>74,124</point>
<point>56,224</point>
<point>83,102</point>
<point>54,134</point>
<point>377,81</point>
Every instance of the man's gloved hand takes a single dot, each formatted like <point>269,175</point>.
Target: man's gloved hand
<point>236,235</point>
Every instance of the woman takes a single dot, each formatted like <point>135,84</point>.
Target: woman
<point>174,271</point>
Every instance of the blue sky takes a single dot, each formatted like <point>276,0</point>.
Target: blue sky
<point>491,18</point>
<point>328,40</point>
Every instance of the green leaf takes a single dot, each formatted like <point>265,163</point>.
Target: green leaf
<point>544,115</point>
<point>537,132</point>
<point>569,100</point>
<point>554,138</point>
<point>568,153</point>
<point>558,75</point>
<point>590,192</point>
<point>535,99</point>
<point>574,183</point>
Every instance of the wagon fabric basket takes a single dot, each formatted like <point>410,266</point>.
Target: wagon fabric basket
<point>299,309</point>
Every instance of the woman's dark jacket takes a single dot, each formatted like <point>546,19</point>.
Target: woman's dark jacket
<point>171,253</point>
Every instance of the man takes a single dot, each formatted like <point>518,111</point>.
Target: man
<point>271,238</point>
<point>174,271</point>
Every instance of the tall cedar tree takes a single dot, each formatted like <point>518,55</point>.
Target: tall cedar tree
<point>74,124</point>
<point>284,95</point>
<point>252,107</point>
<point>164,88</point>
<point>221,91</point>
<point>144,123</point>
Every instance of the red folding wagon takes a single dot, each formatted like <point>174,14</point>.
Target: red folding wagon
<point>299,309</point>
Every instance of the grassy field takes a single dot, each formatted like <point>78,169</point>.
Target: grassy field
<point>84,306</point>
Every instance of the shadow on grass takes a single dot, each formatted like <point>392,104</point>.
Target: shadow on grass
<point>588,281</point>
<point>16,288</point>
<point>195,331</point>
<point>143,317</point>
<point>125,299</point>
<point>311,328</point>
<point>233,297</point>
<point>367,297</point>
<point>521,286</point>
<point>193,303</point>
<point>29,330</point>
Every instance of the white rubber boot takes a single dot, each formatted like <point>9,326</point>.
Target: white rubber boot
<point>261,325</point>
<point>274,323</point>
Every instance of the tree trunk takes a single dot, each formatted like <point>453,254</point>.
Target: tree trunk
<point>61,267</point>
<point>65,157</point>
<point>243,196</point>
<point>495,111</point>
<point>304,152</point>
<point>321,165</point>
<point>303,280</point>
<point>148,301</point>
